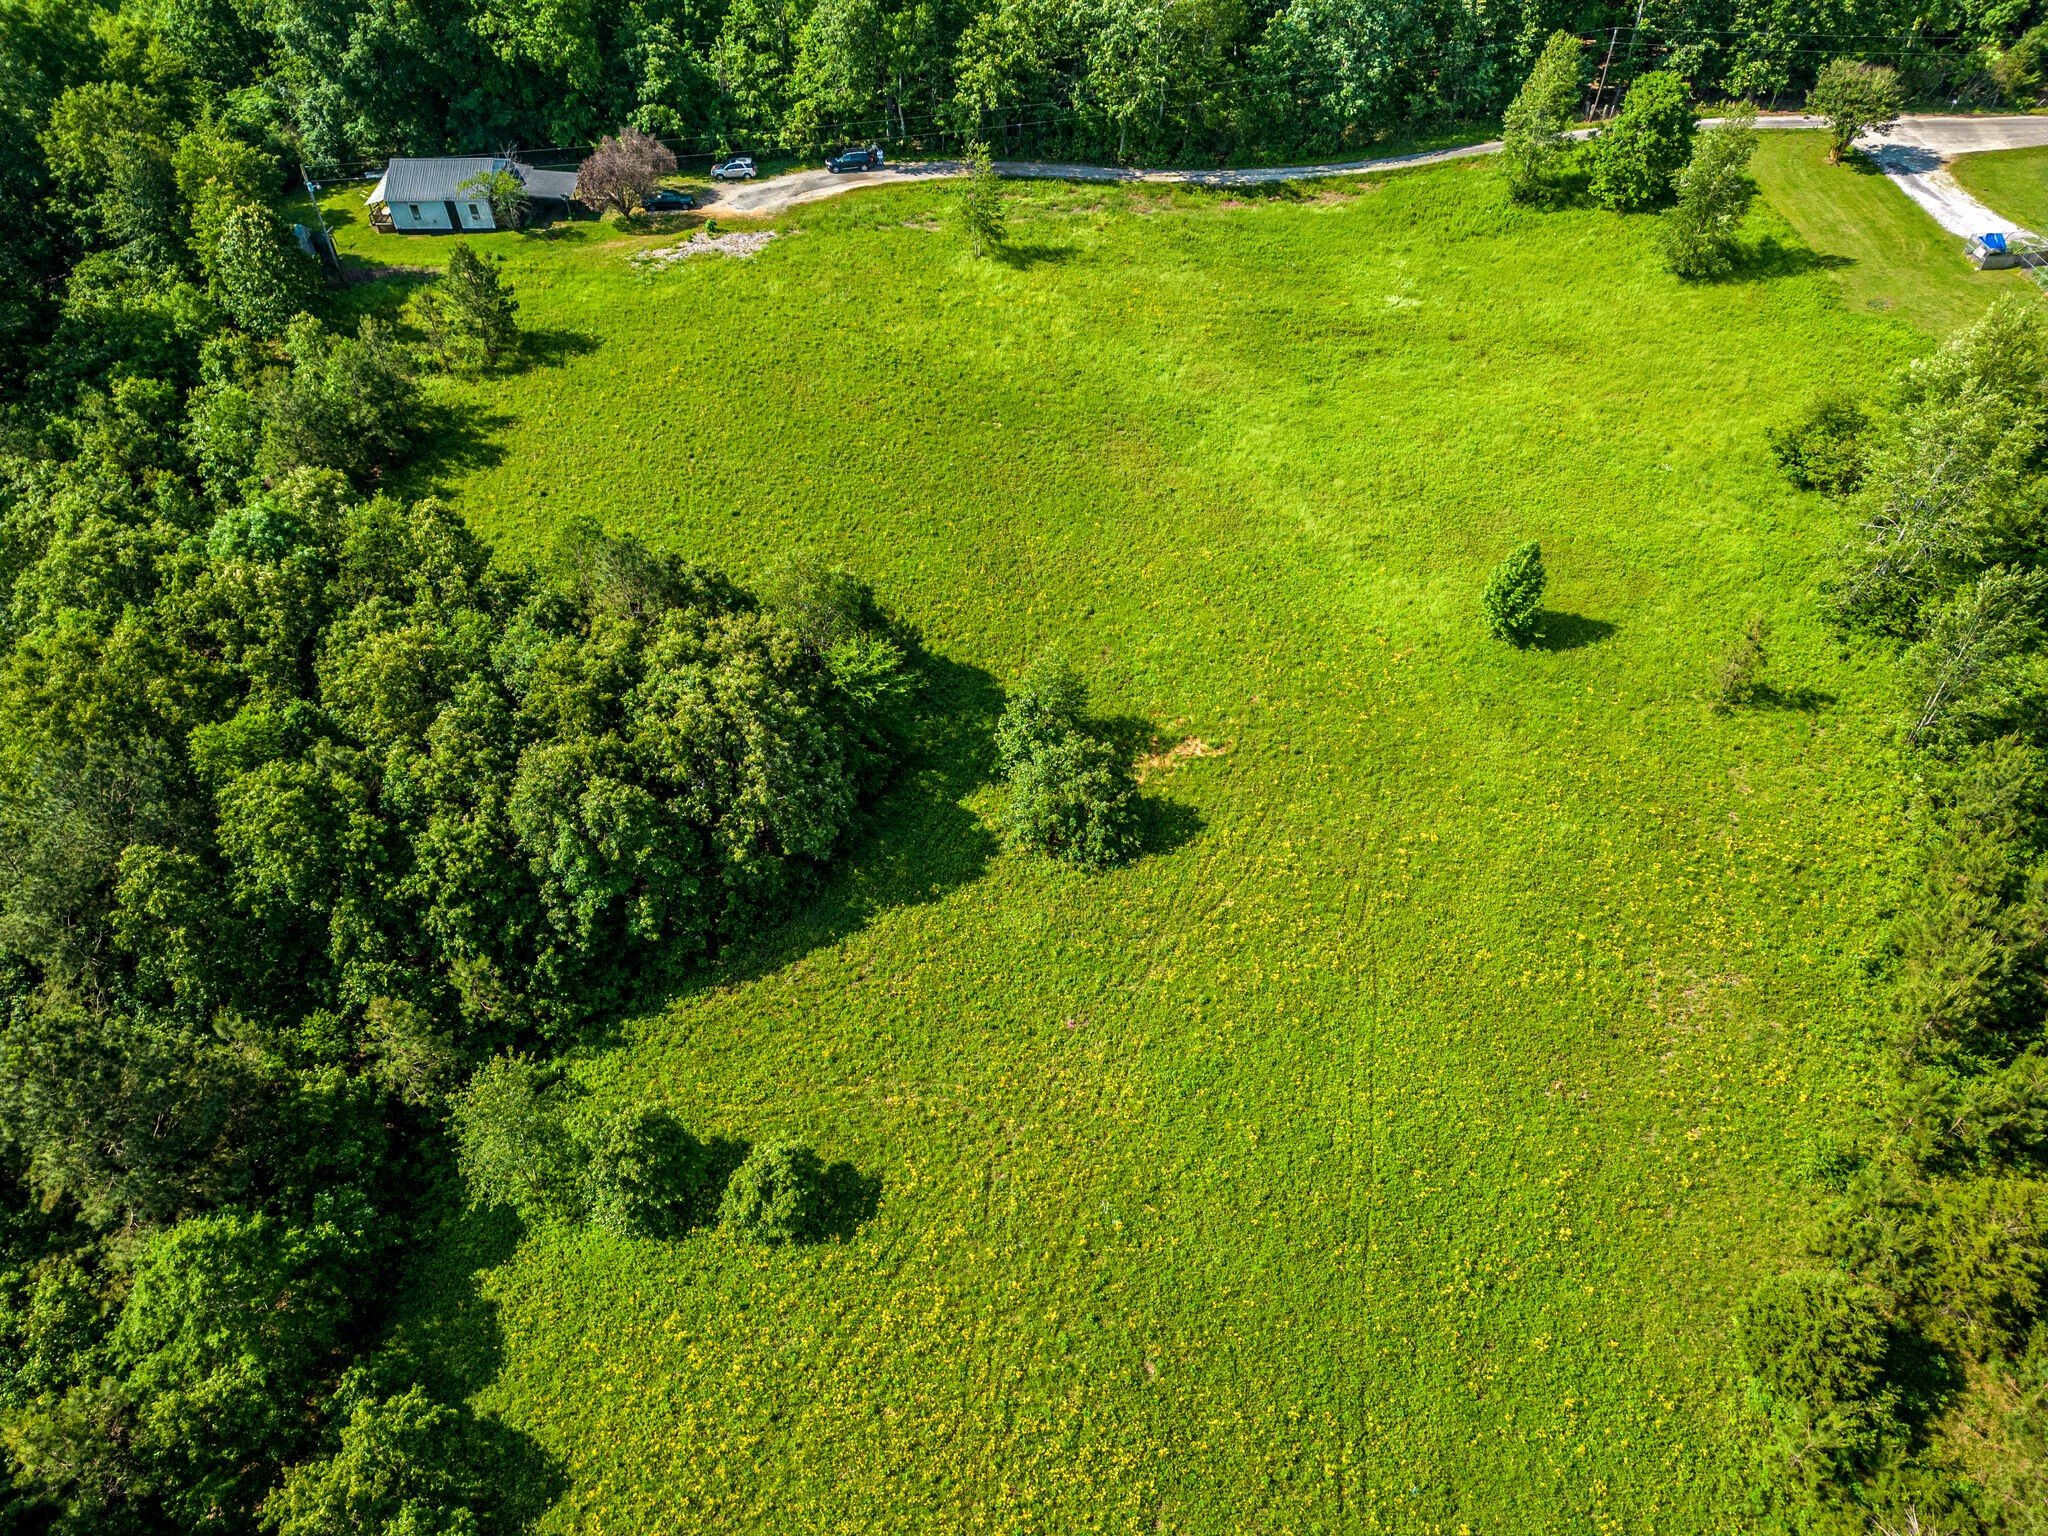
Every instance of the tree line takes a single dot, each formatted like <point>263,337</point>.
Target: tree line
<point>311,807</point>
<point>1897,1371</point>
<point>1184,79</point>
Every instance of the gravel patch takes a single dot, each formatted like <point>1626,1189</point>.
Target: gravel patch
<point>742,244</point>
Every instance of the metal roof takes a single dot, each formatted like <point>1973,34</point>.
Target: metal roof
<point>440,180</point>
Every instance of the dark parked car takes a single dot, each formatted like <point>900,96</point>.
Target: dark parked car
<point>869,159</point>
<point>738,168</point>
<point>666,201</point>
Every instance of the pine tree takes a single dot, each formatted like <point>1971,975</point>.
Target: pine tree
<point>470,317</point>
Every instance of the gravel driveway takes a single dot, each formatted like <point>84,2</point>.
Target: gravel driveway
<point>1911,155</point>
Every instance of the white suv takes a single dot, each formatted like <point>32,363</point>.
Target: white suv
<point>738,168</point>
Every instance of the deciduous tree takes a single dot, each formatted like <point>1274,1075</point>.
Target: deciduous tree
<point>1856,99</point>
<point>624,171</point>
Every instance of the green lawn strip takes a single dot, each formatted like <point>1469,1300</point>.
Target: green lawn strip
<point>1387,1149</point>
<point>2012,181</point>
<point>1883,250</point>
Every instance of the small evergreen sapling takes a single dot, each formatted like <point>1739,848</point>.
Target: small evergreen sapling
<point>1736,682</point>
<point>469,317</point>
<point>1821,449</point>
<point>1512,595</point>
<point>1817,1349</point>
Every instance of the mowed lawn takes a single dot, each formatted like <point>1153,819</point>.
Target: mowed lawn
<point>2013,181</point>
<point>1387,1149</point>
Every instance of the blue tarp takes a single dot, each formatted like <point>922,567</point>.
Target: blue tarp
<point>1993,242</point>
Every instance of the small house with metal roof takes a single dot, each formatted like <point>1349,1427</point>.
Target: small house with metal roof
<point>441,196</point>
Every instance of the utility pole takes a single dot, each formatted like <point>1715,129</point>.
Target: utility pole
<point>1613,36</point>
<point>1600,86</point>
<point>328,253</point>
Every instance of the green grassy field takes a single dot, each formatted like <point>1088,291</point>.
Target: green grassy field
<point>2013,181</point>
<point>1387,1148</point>
<point>1887,255</point>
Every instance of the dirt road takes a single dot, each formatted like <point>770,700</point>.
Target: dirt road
<point>1912,155</point>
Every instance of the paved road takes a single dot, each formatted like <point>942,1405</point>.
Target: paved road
<point>1912,155</point>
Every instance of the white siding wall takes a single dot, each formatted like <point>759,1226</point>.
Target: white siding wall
<point>476,215</point>
<point>419,215</point>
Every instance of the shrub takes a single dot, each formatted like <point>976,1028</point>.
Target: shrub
<point>1821,449</point>
<point>773,1196</point>
<point>1714,191</point>
<point>1736,681</point>
<point>642,1172</point>
<point>1045,709</point>
<point>1074,799</point>
<point>1855,99</point>
<point>1512,594</point>
<point>1816,1347</point>
<point>1535,126</point>
<point>1636,161</point>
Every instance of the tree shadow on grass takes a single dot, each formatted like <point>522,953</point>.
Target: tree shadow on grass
<point>1164,825</point>
<point>550,348</point>
<point>450,1341</point>
<point>1772,256</point>
<point>847,1201</point>
<point>1022,257</point>
<point>1568,631</point>
<point>1806,701</point>
<point>456,439</point>
<point>918,843</point>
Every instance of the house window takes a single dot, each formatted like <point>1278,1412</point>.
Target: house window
<point>473,213</point>
<point>413,209</point>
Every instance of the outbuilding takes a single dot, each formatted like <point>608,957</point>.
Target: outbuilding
<point>438,196</point>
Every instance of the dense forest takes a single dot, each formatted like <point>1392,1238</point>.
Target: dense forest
<point>344,80</point>
<point>310,807</point>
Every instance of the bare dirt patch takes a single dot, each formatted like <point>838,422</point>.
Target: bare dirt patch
<point>1165,759</point>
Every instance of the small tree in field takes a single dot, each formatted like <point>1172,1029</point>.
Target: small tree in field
<point>981,200</point>
<point>624,172</point>
<point>1713,194</point>
<point>1636,161</point>
<point>1512,593</point>
<point>1736,681</point>
<point>1855,99</point>
<point>469,316</point>
<point>1535,126</point>
<point>513,1144</point>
